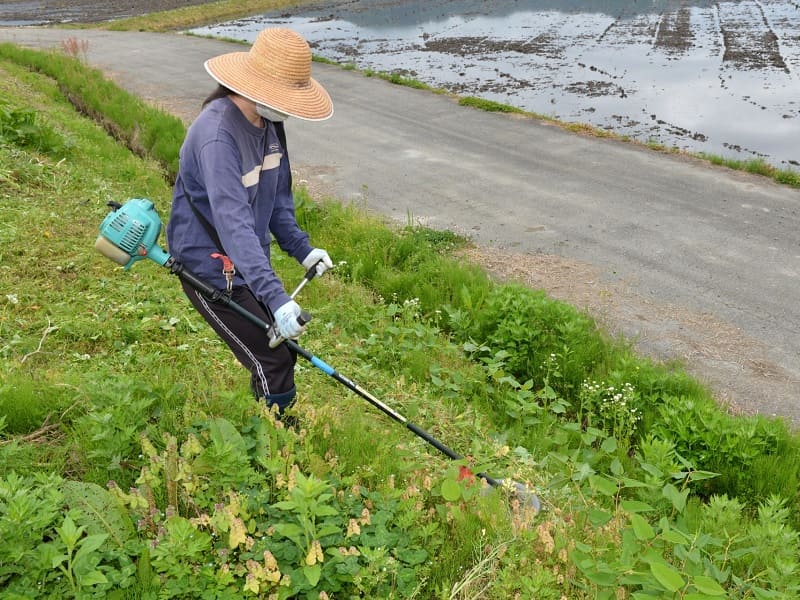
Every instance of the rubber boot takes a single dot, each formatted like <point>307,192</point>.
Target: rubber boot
<point>283,401</point>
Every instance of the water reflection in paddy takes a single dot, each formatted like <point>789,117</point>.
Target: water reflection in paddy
<point>721,77</point>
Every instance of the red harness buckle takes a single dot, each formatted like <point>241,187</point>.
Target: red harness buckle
<point>228,269</point>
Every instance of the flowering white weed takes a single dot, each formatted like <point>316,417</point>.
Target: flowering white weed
<point>613,409</point>
<point>411,308</point>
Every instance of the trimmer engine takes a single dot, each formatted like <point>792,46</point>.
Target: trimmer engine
<point>130,233</point>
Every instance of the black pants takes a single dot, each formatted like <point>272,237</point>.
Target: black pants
<point>272,369</point>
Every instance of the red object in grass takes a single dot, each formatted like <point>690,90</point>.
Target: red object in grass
<point>464,474</point>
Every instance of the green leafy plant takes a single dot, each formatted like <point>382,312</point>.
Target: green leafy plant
<point>742,450</point>
<point>62,539</point>
<point>309,505</point>
<point>22,127</point>
<point>75,556</point>
<point>29,507</point>
<point>615,409</point>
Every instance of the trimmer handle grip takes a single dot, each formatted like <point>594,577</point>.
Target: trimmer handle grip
<point>276,340</point>
<point>312,272</point>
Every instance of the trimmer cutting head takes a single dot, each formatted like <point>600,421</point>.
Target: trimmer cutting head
<point>526,497</point>
<point>130,233</point>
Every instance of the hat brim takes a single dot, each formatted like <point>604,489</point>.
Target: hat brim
<point>233,70</point>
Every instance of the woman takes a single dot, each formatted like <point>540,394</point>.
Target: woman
<point>233,194</point>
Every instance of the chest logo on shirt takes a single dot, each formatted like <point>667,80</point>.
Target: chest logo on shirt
<point>271,161</point>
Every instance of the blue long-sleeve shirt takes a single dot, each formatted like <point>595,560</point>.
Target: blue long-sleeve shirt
<point>238,177</point>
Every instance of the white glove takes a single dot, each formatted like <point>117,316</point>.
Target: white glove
<point>318,257</point>
<point>286,320</point>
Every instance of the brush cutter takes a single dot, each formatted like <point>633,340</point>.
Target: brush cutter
<point>129,233</point>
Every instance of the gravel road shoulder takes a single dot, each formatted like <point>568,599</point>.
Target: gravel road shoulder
<point>716,353</point>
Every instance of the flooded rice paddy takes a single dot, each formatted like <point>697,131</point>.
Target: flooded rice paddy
<point>715,77</point>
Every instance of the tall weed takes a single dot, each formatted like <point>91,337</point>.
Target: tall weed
<point>22,127</point>
<point>401,265</point>
<point>531,328</point>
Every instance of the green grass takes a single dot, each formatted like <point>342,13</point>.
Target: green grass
<point>757,167</point>
<point>145,130</point>
<point>196,16</point>
<point>92,358</point>
<point>489,106</point>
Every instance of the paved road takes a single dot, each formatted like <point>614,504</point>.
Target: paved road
<point>684,237</point>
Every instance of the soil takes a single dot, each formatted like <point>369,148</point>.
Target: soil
<point>717,353</point>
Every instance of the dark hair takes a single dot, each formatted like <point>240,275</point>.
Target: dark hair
<point>220,92</point>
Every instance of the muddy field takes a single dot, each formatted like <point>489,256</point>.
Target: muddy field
<point>44,12</point>
<point>715,77</point>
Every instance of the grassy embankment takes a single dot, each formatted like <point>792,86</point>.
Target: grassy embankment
<point>108,375</point>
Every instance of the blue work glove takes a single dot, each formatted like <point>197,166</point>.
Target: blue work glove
<point>286,320</point>
<point>318,257</point>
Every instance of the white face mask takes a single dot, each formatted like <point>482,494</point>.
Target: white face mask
<point>270,114</point>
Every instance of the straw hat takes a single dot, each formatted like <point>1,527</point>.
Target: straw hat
<point>276,71</point>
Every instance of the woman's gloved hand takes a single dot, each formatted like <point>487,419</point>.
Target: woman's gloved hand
<point>286,320</point>
<point>318,257</point>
